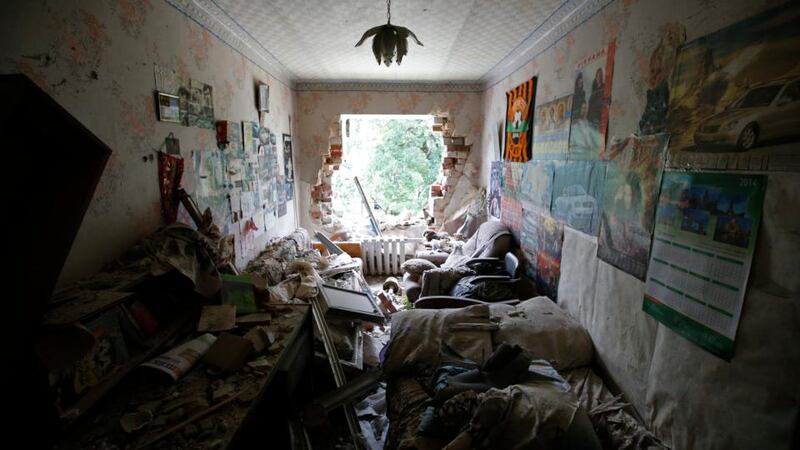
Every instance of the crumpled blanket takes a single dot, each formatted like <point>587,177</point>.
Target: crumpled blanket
<point>439,281</point>
<point>615,426</point>
<point>480,244</point>
<point>529,416</point>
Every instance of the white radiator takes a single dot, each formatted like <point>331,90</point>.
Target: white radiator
<point>384,255</point>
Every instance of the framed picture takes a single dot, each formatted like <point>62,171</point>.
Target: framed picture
<point>263,97</point>
<point>168,107</point>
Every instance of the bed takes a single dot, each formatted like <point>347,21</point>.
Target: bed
<point>424,340</point>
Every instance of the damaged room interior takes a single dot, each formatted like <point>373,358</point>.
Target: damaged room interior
<point>403,224</point>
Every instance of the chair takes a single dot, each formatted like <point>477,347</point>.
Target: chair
<point>497,282</point>
<point>487,246</point>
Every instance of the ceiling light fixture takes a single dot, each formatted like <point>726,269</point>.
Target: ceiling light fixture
<point>389,40</point>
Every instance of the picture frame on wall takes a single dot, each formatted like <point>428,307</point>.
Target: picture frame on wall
<point>168,107</point>
<point>263,98</point>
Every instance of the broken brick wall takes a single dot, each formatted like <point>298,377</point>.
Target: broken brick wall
<point>317,111</point>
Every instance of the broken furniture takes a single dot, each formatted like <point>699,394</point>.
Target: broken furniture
<point>68,160</point>
<point>202,409</point>
<point>493,280</point>
<point>425,340</point>
<point>492,240</point>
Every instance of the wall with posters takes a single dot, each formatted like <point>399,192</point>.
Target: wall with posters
<point>617,67</point>
<point>97,60</point>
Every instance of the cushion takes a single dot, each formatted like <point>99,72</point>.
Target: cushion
<point>546,331</point>
<point>416,266</point>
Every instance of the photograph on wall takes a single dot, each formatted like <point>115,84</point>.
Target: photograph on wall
<point>630,191</point>
<point>577,192</point>
<point>519,122</point>
<point>704,240</point>
<point>168,107</point>
<point>495,189</point>
<point>541,242</point>
<point>536,186</point>
<point>288,162</point>
<point>166,79</point>
<point>200,105</point>
<point>590,104</point>
<point>735,100</point>
<point>551,129</point>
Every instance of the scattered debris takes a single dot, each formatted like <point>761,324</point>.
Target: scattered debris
<point>217,318</point>
<point>228,353</point>
<point>136,421</point>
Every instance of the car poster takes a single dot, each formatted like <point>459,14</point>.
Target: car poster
<point>705,233</point>
<point>577,190</point>
<point>630,192</point>
<point>536,186</point>
<point>541,241</point>
<point>735,96</point>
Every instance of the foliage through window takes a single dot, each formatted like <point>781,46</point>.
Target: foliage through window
<point>396,159</point>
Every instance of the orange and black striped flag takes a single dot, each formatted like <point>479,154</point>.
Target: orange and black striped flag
<point>519,121</point>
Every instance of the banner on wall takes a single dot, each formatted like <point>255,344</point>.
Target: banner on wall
<point>519,122</point>
<point>590,104</point>
<point>630,192</point>
<point>551,130</point>
<point>703,247</point>
<point>735,98</point>
<point>541,241</point>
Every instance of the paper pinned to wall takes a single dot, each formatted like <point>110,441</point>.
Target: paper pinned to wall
<point>166,80</point>
<point>551,130</point>
<point>541,241</point>
<point>733,104</point>
<point>590,104</point>
<point>577,191</point>
<point>495,189</point>
<point>703,247</point>
<point>630,193</point>
<point>536,186</point>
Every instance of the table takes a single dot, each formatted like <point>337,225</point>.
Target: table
<point>205,411</point>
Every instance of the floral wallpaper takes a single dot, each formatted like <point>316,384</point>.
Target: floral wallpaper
<point>97,60</point>
<point>316,111</point>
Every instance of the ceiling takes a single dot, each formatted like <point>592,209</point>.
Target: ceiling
<point>463,39</point>
<point>311,42</point>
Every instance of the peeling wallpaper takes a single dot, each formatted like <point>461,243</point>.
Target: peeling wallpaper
<point>316,111</point>
<point>690,398</point>
<point>96,59</point>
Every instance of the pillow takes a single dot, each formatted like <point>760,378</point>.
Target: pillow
<point>416,266</point>
<point>544,330</point>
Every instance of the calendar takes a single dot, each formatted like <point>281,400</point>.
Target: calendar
<point>706,227</point>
